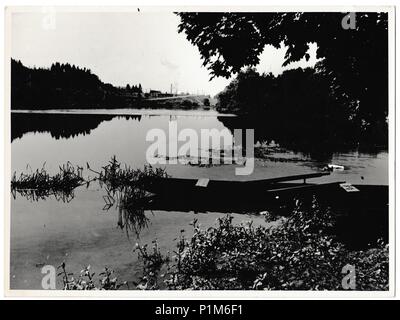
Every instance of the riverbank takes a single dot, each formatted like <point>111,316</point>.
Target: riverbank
<point>127,112</point>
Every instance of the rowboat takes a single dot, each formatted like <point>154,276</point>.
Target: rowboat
<point>203,186</point>
<point>227,196</point>
<point>361,210</point>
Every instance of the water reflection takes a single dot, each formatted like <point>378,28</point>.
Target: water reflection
<point>72,125</point>
<point>59,125</point>
<point>36,195</point>
<point>131,215</point>
<point>132,219</point>
<point>313,142</point>
<point>80,227</point>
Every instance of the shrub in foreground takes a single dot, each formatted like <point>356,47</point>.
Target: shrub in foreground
<point>299,253</point>
<point>296,253</point>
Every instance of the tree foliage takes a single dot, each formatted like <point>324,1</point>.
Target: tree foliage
<point>298,110</point>
<point>355,61</point>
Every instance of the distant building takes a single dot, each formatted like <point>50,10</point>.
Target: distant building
<point>155,93</point>
<point>165,95</point>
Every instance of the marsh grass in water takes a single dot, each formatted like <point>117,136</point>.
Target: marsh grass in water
<point>40,184</point>
<point>117,176</point>
<point>123,186</point>
<point>114,176</point>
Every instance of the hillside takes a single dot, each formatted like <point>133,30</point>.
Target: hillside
<point>65,86</point>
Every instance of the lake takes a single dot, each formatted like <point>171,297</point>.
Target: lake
<point>81,232</point>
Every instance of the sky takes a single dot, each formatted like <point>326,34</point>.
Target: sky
<point>124,48</point>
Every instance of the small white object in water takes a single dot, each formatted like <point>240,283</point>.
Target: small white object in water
<point>334,167</point>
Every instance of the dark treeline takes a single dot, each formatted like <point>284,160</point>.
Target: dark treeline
<point>299,110</point>
<point>66,86</point>
<point>343,102</point>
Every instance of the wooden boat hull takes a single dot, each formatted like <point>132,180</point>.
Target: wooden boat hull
<point>220,188</point>
<point>362,215</point>
<point>237,196</point>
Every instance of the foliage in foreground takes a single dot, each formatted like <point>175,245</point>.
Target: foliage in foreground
<point>87,280</point>
<point>298,254</point>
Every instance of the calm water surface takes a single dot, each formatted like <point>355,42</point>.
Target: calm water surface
<point>81,232</point>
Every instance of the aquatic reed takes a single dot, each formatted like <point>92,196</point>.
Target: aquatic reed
<point>40,184</point>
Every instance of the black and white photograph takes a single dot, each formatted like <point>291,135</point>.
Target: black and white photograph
<point>213,149</point>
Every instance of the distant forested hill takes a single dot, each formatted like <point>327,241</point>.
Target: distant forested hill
<point>66,86</point>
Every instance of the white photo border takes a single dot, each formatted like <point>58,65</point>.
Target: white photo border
<point>217,295</point>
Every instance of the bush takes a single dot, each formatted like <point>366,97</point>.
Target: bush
<point>298,254</point>
<point>187,104</point>
<point>86,280</point>
<point>206,102</point>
